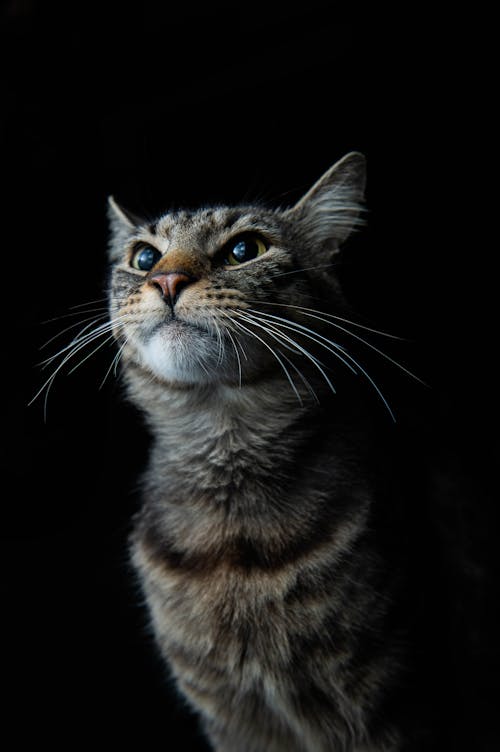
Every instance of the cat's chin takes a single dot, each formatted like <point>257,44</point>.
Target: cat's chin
<point>181,353</point>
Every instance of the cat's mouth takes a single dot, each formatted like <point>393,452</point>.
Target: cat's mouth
<point>176,349</point>
<point>173,326</point>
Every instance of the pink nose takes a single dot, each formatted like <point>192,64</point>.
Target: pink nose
<point>170,284</point>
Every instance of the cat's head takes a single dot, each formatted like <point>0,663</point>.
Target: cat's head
<point>220,295</point>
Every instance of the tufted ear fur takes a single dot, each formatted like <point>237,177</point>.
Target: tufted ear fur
<point>122,223</point>
<point>330,210</point>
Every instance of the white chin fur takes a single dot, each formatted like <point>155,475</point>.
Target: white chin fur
<point>177,355</point>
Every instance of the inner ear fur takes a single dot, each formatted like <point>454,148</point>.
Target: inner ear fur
<point>331,209</point>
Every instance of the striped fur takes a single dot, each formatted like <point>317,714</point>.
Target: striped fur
<point>257,548</point>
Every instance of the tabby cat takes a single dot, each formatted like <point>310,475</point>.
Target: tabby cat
<point>271,544</point>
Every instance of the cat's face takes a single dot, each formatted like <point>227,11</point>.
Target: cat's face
<point>181,288</point>
<point>188,292</point>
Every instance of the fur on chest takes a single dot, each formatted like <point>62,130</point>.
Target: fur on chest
<point>233,602</point>
<point>275,636</point>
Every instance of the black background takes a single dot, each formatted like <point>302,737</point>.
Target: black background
<point>200,105</point>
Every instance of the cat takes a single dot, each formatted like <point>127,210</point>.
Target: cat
<point>273,545</point>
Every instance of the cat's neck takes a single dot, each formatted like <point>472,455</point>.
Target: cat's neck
<point>180,412</point>
<point>217,435</point>
<point>267,407</point>
<point>249,453</point>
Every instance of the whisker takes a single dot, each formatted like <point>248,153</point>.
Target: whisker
<point>272,351</point>
<point>305,381</point>
<point>224,312</point>
<point>345,352</point>
<point>368,344</point>
<point>314,336</point>
<point>93,319</point>
<point>313,313</point>
<point>78,343</point>
<point>332,316</point>
<point>110,338</point>
<point>285,337</point>
<point>89,302</point>
<point>114,363</point>
<point>220,343</point>
<point>119,356</point>
<point>293,347</point>
<point>237,355</point>
<point>87,338</point>
<point>240,345</point>
<point>71,354</point>
<point>372,382</point>
<point>305,269</point>
<point>102,309</point>
<point>233,342</point>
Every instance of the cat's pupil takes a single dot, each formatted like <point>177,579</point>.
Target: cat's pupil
<point>146,258</point>
<point>244,250</point>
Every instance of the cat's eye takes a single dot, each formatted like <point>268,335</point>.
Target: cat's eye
<point>145,258</point>
<point>244,248</point>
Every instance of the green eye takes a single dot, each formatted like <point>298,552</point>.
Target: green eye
<point>244,248</point>
<point>145,258</point>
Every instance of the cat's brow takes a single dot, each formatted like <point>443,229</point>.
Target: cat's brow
<point>232,218</point>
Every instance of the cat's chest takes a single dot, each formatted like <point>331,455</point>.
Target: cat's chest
<point>219,612</point>
<point>219,456</point>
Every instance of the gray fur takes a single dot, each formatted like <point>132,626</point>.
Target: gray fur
<point>268,593</point>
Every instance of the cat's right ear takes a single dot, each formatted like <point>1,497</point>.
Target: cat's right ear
<point>122,224</point>
<point>330,210</point>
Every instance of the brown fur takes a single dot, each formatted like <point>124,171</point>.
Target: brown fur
<point>268,589</point>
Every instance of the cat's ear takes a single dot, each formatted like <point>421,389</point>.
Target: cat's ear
<point>330,210</point>
<point>122,223</point>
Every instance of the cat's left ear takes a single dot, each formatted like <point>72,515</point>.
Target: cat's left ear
<point>121,224</point>
<point>330,210</point>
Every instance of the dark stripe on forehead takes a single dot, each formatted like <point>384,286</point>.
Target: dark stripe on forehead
<point>231,218</point>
